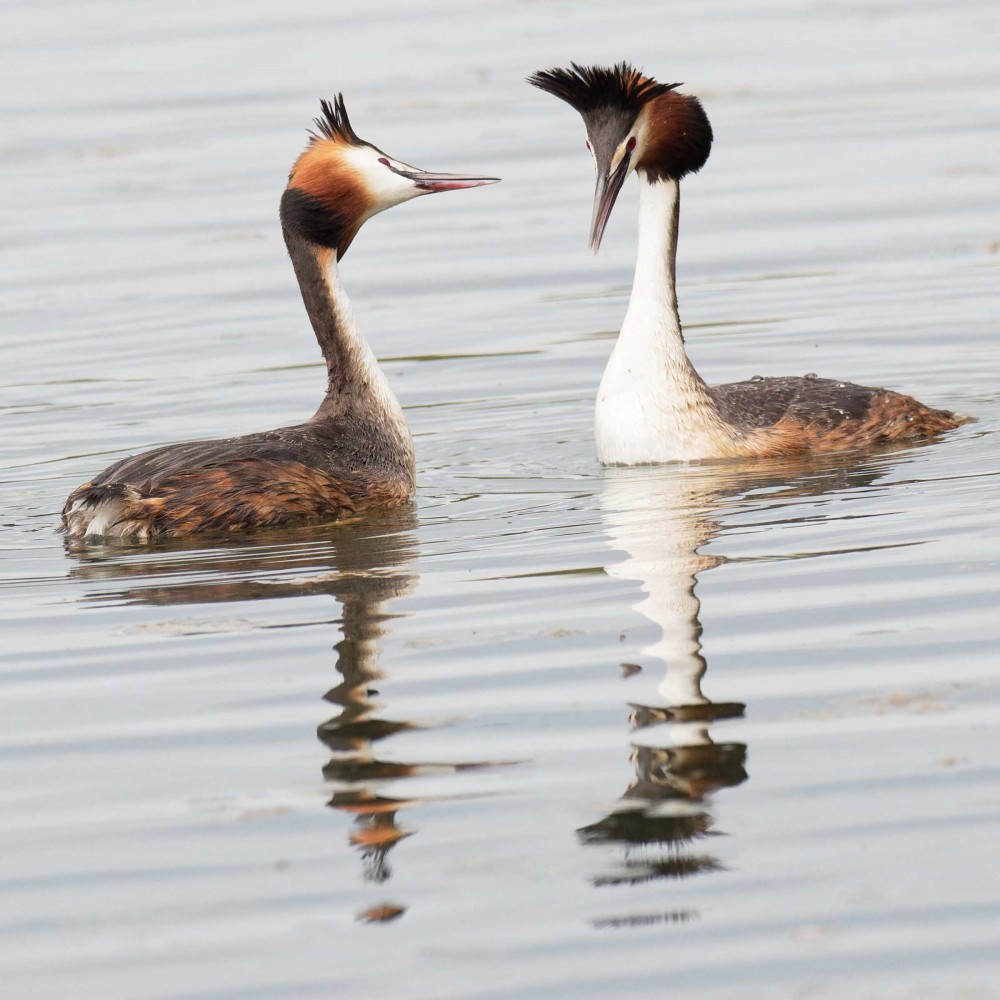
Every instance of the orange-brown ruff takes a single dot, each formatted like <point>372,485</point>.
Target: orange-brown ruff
<point>355,453</point>
<point>652,405</point>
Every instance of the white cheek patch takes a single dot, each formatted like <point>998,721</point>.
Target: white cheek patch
<point>637,139</point>
<point>641,133</point>
<point>386,187</point>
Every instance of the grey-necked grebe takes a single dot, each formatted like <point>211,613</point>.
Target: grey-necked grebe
<point>355,452</point>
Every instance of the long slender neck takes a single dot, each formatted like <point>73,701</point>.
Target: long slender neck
<point>652,319</point>
<point>652,405</point>
<point>357,389</point>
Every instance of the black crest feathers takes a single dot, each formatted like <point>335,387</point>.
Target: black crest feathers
<point>588,88</point>
<point>334,124</point>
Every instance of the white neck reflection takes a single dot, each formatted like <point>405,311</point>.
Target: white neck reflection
<point>658,518</point>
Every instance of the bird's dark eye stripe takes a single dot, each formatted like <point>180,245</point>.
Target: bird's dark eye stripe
<point>385,162</point>
<point>402,173</point>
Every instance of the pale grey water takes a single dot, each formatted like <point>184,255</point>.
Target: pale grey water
<point>216,759</point>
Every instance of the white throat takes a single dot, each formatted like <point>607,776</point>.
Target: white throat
<point>652,405</point>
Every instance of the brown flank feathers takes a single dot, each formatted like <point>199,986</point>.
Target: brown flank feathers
<point>248,493</point>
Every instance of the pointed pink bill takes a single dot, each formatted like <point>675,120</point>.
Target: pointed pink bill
<point>446,182</point>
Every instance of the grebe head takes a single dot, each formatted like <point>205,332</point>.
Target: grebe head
<point>340,181</point>
<point>633,123</point>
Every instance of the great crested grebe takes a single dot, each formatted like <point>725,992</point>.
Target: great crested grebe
<point>652,406</point>
<point>355,452</point>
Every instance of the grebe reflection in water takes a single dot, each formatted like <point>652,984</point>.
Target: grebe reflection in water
<point>662,520</point>
<point>366,567</point>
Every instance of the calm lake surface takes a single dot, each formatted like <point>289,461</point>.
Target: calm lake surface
<point>724,731</point>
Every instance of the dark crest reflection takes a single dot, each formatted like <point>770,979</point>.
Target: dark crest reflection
<point>363,567</point>
<point>661,519</point>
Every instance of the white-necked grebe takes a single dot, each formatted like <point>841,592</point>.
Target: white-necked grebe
<point>652,406</point>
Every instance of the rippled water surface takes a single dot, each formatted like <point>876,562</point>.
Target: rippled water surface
<point>718,731</point>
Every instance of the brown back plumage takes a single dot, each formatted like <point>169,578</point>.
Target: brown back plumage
<point>796,415</point>
<point>245,493</point>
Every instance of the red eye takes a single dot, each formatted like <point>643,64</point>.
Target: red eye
<point>630,145</point>
<point>588,144</point>
<point>383,161</point>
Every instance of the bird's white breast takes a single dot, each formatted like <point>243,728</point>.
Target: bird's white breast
<point>651,406</point>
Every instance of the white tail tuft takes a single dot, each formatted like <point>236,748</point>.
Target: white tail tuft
<point>103,519</point>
